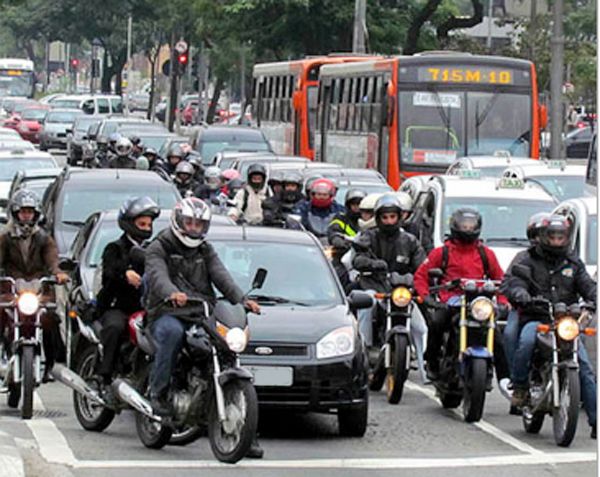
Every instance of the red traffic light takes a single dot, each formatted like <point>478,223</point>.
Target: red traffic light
<point>183,58</point>
<point>74,62</point>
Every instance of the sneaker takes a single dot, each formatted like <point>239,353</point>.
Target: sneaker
<point>161,406</point>
<point>519,396</point>
<point>255,451</point>
<point>505,388</point>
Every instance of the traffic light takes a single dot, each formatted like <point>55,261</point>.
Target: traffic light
<point>182,61</point>
<point>74,63</point>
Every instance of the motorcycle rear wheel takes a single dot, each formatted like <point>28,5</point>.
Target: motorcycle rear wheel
<point>27,381</point>
<point>474,390</point>
<point>398,373</point>
<point>153,435</point>
<point>91,416</point>
<point>231,440</point>
<point>564,418</point>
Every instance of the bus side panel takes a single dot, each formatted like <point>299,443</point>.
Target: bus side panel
<point>352,151</point>
<point>280,136</point>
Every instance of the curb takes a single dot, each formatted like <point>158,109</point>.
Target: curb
<point>11,462</point>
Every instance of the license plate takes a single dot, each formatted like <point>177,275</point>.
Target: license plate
<point>272,375</point>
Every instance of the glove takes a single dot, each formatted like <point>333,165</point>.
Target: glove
<point>379,266</point>
<point>522,297</point>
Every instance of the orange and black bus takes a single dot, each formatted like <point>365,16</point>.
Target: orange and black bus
<point>416,114</point>
<point>285,101</point>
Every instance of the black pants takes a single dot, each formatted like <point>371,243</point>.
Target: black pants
<point>114,325</point>
<point>441,321</point>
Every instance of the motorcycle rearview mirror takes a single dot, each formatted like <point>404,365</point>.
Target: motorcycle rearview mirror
<point>359,300</point>
<point>215,201</point>
<point>259,279</point>
<point>67,264</point>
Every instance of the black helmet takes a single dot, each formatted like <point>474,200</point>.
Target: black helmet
<point>553,228</point>
<point>535,224</point>
<point>385,204</point>
<point>25,199</point>
<point>184,168</point>
<point>150,151</point>
<point>291,177</point>
<point>256,169</point>
<point>465,225</point>
<point>175,151</point>
<point>135,140</point>
<point>354,195</point>
<point>131,210</point>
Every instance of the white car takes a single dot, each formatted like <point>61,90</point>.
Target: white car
<point>583,213</point>
<point>490,166</point>
<point>505,206</point>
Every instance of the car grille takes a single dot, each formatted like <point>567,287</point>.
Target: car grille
<point>61,135</point>
<point>299,392</point>
<point>277,349</point>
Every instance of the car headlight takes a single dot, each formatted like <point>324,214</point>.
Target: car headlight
<point>28,303</point>
<point>482,308</point>
<point>339,342</point>
<point>567,328</point>
<point>401,296</point>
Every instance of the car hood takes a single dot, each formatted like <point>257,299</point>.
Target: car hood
<point>506,254</point>
<point>56,127</point>
<point>297,324</point>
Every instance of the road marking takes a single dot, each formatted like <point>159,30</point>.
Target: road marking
<point>483,425</point>
<point>52,443</point>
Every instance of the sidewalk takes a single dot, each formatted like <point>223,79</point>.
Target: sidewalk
<point>11,463</point>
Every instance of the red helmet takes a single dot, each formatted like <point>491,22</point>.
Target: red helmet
<point>322,186</point>
<point>230,174</point>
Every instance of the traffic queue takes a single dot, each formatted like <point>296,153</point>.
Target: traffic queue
<point>200,279</point>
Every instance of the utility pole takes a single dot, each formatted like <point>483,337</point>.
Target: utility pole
<point>488,42</point>
<point>557,43</point>
<point>532,30</point>
<point>172,103</point>
<point>360,26</point>
<point>127,88</point>
<point>243,76</point>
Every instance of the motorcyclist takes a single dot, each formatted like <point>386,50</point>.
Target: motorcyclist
<point>181,263</point>
<point>137,146</point>
<point>319,210</point>
<point>101,156</point>
<point>248,200</point>
<point>381,250</point>
<point>28,252</point>
<point>462,256</point>
<point>562,277</point>
<point>123,159</point>
<point>277,208</point>
<point>174,157</point>
<point>184,179</point>
<point>112,147</point>
<point>153,160</point>
<point>275,182</point>
<point>120,295</point>
<point>406,203</point>
<point>213,181</point>
<point>367,211</point>
<point>195,160</point>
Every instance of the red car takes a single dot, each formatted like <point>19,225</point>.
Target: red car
<point>29,123</point>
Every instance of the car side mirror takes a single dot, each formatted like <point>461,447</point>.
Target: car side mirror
<point>359,300</point>
<point>67,264</point>
<point>259,279</point>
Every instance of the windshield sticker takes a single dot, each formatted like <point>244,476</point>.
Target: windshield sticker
<point>423,156</point>
<point>445,100</point>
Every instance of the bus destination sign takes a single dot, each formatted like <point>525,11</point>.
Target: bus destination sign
<point>466,74</point>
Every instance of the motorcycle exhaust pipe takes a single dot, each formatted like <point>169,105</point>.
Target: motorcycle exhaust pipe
<point>74,381</point>
<point>128,394</point>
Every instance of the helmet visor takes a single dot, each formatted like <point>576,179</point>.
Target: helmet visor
<point>194,227</point>
<point>467,224</point>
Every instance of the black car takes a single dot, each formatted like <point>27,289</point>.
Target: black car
<point>578,143</point>
<point>305,350</point>
<point>111,124</point>
<point>73,197</point>
<point>208,140</point>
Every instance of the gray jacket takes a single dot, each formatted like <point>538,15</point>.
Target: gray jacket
<point>172,267</point>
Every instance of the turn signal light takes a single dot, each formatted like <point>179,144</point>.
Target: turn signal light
<point>543,328</point>
<point>380,296</point>
<point>72,314</point>
<point>589,331</point>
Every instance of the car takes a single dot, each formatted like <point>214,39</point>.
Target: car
<point>591,171</point>
<point>111,124</point>
<point>225,159</point>
<point>562,180</point>
<point>505,206</point>
<point>72,197</point>
<point>91,104</point>
<point>488,166</point>
<point>241,164</point>
<point>305,351</point>
<point>17,160</point>
<point>51,97</point>
<point>582,212</point>
<point>208,140</point>
<point>9,134</point>
<point>171,141</point>
<point>54,130</point>
<point>37,180</point>
<point>577,142</point>
<point>139,101</point>
<point>29,123</point>
<point>345,185</point>
<point>77,137</point>
<point>7,104</point>
<point>154,138</point>
<point>15,145</point>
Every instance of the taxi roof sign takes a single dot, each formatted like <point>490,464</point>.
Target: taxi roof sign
<point>511,183</point>
<point>557,164</point>
<point>469,173</point>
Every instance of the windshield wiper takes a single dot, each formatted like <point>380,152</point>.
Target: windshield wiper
<point>276,299</point>
<point>75,223</point>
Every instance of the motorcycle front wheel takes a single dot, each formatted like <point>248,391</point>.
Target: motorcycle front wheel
<point>474,390</point>
<point>28,381</point>
<point>398,372</point>
<point>231,439</point>
<point>564,418</point>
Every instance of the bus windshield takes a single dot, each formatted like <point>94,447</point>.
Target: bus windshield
<point>438,126</point>
<point>16,83</point>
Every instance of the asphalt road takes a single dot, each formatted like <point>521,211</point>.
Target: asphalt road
<point>417,436</point>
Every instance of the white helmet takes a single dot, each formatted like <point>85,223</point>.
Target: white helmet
<point>368,205</point>
<point>123,147</point>
<point>406,202</point>
<point>190,221</point>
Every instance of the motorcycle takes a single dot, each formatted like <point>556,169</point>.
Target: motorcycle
<point>554,387</point>
<point>29,302</point>
<point>393,363</point>
<point>466,366</point>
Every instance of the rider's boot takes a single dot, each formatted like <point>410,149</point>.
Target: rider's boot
<point>161,405</point>
<point>255,451</point>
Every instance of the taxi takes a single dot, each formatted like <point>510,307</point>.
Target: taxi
<point>490,166</point>
<point>583,214</point>
<point>505,205</point>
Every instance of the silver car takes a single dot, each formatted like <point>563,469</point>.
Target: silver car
<point>54,128</point>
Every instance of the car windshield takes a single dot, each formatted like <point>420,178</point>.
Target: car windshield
<point>208,149</point>
<point>155,142</point>
<point>592,241</point>
<point>502,219</point>
<point>8,168</point>
<point>34,114</point>
<point>82,124</point>
<point>61,117</point>
<point>311,283</point>
<point>562,187</point>
<point>78,204</point>
<point>66,103</point>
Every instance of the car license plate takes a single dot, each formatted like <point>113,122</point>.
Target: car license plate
<point>272,375</point>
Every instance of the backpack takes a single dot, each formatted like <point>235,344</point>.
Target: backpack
<point>482,255</point>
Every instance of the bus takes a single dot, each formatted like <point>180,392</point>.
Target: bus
<point>416,114</point>
<point>285,101</point>
<point>17,77</point>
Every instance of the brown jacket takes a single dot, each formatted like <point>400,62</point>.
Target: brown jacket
<point>42,258</point>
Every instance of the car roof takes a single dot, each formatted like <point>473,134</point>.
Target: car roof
<point>240,132</point>
<point>66,110</point>
<point>272,158</point>
<point>481,162</point>
<point>25,154</point>
<point>41,173</point>
<point>545,169</point>
<point>90,177</point>
<point>487,188</point>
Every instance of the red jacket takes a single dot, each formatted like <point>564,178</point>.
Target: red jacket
<point>464,261</point>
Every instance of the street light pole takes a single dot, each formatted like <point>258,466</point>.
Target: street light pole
<point>129,28</point>
<point>489,17</point>
<point>557,43</point>
<point>360,14</point>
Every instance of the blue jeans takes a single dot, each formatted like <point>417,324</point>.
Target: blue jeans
<point>522,363</point>
<point>168,333</point>
<point>511,338</point>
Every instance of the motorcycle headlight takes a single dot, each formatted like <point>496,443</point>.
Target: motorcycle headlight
<point>339,342</point>
<point>401,296</point>
<point>567,328</point>
<point>236,339</point>
<point>28,303</point>
<point>482,308</point>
